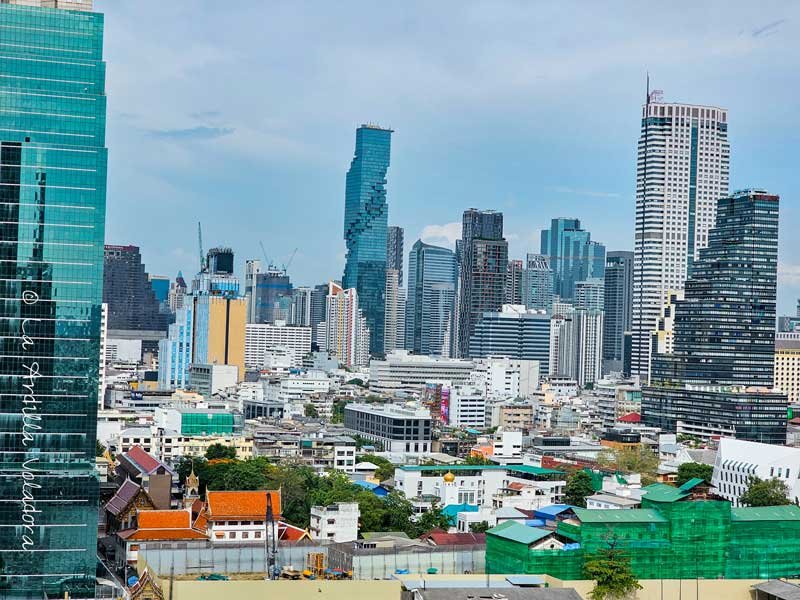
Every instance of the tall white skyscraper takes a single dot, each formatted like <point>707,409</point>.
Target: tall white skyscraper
<point>682,170</point>
<point>394,330</point>
<point>344,333</point>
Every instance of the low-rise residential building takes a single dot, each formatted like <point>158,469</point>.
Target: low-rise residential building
<point>321,452</point>
<point>395,428</point>
<point>739,460</point>
<point>297,386</point>
<point>467,407</point>
<point>158,479</point>
<point>208,380</point>
<point>336,522</point>
<point>199,421</point>
<point>168,445</point>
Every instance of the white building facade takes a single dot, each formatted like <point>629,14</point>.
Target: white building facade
<point>262,340</point>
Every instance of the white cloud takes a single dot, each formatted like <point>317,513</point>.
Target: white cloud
<point>445,235</point>
<point>592,193</point>
<point>788,274</point>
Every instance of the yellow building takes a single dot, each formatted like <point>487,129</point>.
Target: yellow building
<point>219,331</point>
<point>787,366</point>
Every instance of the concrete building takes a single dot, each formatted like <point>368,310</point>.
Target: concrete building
<point>467,407</point>
<point>738,460</point>
<point>590,294</point>
<point>513,286</point>
<point>262,339</point>
<point>662,337</point>
<point>510,377</point>
<point>237,517</point>
<point>335,522</point>
<point>682,169</point>
<point>321,452</point>
<point>580,346</point>
<point>395,324</point>
<point>198,421</point>
<point>537,282</point>
<point>219,331</point>
<point>175,351</point>
<point>514,332</point>
<point>212,379</point>
<point>787,365</point>
<point>395,251</point>
<point>344,333</point>
<point>617,306</point>
<point>396,429</point>
<point>404,372</point>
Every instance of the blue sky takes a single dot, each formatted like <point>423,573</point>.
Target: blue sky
<point>242,114</point>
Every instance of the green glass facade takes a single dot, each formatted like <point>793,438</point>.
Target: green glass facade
<point>52,199</point>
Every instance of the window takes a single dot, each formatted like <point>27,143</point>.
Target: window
<point>232,535</point>
<point>258,535</point>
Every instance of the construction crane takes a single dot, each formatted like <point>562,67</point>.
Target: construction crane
<point>200,247</point>
<point>267,263</point>
<point>288,264</point>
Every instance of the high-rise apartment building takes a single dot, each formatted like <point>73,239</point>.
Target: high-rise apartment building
<point>301,307</point>
<point>219,331</point>
<point>537,283</point>
<point>278,339</point>
<point>787,365</point>
<point>52,198</point>
<point>590,294</point>
<point>175,351</point>
<point>580,346</point>
<point>132,302</point>
<point>682,170</point>
<point>617,303</point>
<point>395,324</point>
<point>366,215</point>
<point>573,255</point>
<point>344,332</point>
<point>483,264</point>
<point>513,290</point>
<point>268,293</point>
<point>431,301</point>
<point>719,378</point>
<point>394,250</point>
<point>318,306</point>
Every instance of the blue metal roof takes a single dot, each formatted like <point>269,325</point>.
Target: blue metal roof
<point>553,510</point>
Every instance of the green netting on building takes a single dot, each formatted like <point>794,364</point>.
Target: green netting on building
<point>764,542</point>
<point>202,423</point>
<point>671,537</point>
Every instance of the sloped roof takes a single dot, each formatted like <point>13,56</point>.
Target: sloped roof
<point>553,510</point>
<point>509,512</point>
<point>371,535</point>
<point>163,519</point>
<point>290,533</point>
<point>163,525</point>
<point>789,512</point>
<point>123,497</point>
<point>365,466</point>
<point>241,505</point>
<point>517,532</point>
<point>633,417</point>
<point>615,515</point>
<point>441,538</point>
<point>142,459</point>
<point>661,492</point>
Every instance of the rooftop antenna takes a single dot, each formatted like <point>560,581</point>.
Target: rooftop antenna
<point>647,97</point>
<point>200,247</point>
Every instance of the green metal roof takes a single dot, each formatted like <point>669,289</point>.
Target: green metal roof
<point>661,492</point>
<point>455,468</point>
<point>517,532</point>
<point>370,535</point>
<point>611,515</point>
<point>790,512</point>
<point>695,481</point>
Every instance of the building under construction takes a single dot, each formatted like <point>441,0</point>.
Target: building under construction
<point>673,536</point>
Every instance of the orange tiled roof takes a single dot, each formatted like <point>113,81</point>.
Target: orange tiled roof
<point>163,519</point>
<point>162,534</point>
<point>241,505</point>
<point>201,522</point>
<point>290,533</point>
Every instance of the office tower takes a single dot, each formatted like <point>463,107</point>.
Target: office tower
<point>219,330</point>
<point>617,308</point>
<point>662,338</point>
<point>52,198</point>
<point>132,303</point>
<point>537,283</point>
<point>482,271</point>
<point>573,255</point>
<point>431,301</point>
<point>513,332</point>
<point>177,291</point>
<point>344,332</point>
<point>590,294</point>
<point>580,346</point>
<point>301,307</point>
<point>160,285</point>
<point>366,216</point>
<point>217,277</point>
<point>394,250</point>
<point>318,304</point>
<point>682,170</point>
<point>268,293</point>
<point>513,286</point>
<point>719,378</point>
<point>175,351</point>
<point>263,340</point>
<point>395,314</point>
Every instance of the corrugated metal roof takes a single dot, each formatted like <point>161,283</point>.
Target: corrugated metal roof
<point>790,512</point>
<point>661,492</point>
<point>783,590</point>
<point>517,532</point>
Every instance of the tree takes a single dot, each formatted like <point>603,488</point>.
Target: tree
<point>215,451</point>
<point>481,527</point>
<point>99,449</point>
<point>611,570</point>
<point>772,492</point>
<point>632,459</point>
<point>385,467</point>
<point>430,519</point>
<point>337,413</point>
<point>244,476</point>
<point>473,459</point>
<point>692,470</point>
<point>579,485</point>
<point>311,411</point>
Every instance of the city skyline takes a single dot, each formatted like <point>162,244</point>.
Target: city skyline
<point>528,170</point>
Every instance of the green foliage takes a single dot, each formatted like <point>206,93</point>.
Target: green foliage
<point>216,451</point>
<point>311,411</point>
<point>772,492</point>
<point>633,459</point>
<point>246,475</point>
<point>337,412</point>
<point>579,486</point>
<point>693,470</point>
<point>481,527</point>
<point>477,460</point>
<point>611,570</point>
<point>385,467</point>
<point>431,519</point>
<point>362,441</point>
<point>99,448</point>
<point>357,381</point>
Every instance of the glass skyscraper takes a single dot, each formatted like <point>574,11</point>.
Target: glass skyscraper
<point>573,255</point>
<point>430,307</point>
<point>366,217</point>
<point>617,306</point>
<point>719,378</point>
<point>53,195</point>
